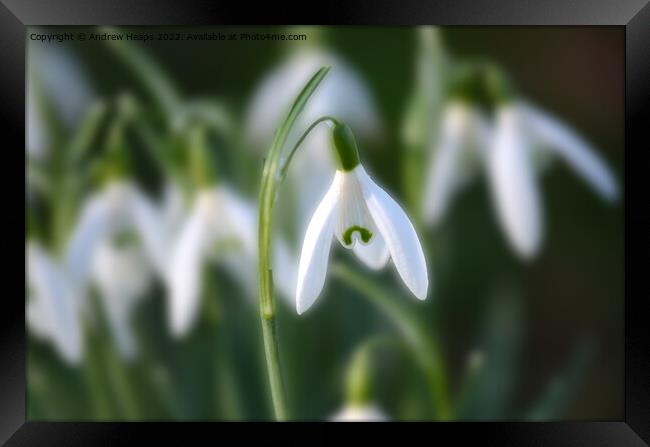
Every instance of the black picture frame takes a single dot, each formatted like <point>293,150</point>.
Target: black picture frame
<point>633,15</point>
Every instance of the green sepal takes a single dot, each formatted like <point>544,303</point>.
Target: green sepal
<point>482,84</point>
<point>347,151</point>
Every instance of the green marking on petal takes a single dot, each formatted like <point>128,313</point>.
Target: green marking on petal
<point>365,234</point>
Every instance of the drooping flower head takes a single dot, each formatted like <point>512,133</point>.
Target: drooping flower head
<point>365,219</point>
<point>118,239</point>
<point>344,93</point>
<point>116,244</point>
<point>220,227</point>
<point>485,123</point>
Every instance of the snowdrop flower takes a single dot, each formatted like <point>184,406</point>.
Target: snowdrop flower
<point>509,143</point>
<point>520,131</point>
<point>119,210</point>
<point>360,413</point>
<point>223,226</point>
<point>365,219</point>
<point>52,309</point>
<point>343,93</point>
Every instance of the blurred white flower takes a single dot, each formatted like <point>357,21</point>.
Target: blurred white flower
<point>117,209</point>
<point>117,212</point>
<point>462,139</point>
<point>360,413</point>
<point>55,75</point>
<point>122,275</point>
<point>368,221</point>
<point>52,309</point>
<point>172,211</point>
<point>343,94</point>
<point>509,146</point>
<point>222,226</point>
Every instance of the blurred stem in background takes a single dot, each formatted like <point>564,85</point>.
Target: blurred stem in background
<point>359,383</point>
<point>67,186</point>
<point>423,343</point>
<point>95,379</point>
<point>419,127</point>
<point>226,392</point>
<point>271,178</point>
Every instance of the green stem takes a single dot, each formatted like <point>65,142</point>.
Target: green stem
<point>422,342</point>
<point>121,384</point>
<point>273,367</point>
<point>228,405</point>
<point>285,166</point>
<point>95,381</point>
<point>271,177</point>
<point>358,377</point>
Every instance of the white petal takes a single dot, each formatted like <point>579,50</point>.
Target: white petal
<point>514,188</point>
<point>122,271</point>
<point>56,305</point>
<point>443,175</point>
<point>173,210</point>
<point>577,153</point>
<point>316,249</point>
<point>119,324</point>
<point>236,218</point>
<point>38,320</point>
<point>234,222</point>
<point>123,275</point>
<point>185,272</point>
<point>149,225</point>
<point>343,94</point>
<point>399,234</point>
<point>375,254</point>
<point>93,226</point>
<point>311,173</point>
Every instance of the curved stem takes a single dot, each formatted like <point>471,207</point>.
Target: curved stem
<point>422,342</point>
<point>285,166</point>
<point>270,182</point>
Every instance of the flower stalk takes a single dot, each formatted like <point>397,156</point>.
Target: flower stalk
<point>423,344</point>
<point>271,177</point>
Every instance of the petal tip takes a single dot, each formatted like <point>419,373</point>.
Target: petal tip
<point>422,293</point>
<point>301,307</point>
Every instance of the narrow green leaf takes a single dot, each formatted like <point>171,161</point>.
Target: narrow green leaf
<point>150,74</point>
<point>83,138</point>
